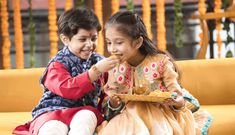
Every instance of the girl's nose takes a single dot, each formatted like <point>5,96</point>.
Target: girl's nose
<point>113,50</point>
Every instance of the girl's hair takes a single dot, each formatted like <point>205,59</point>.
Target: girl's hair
<point>132,25</point>
<point>74,19</point>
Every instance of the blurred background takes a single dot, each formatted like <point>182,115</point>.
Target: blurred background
<point>188,29</point>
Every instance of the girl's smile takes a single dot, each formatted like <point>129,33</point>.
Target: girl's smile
<point>123,46</point>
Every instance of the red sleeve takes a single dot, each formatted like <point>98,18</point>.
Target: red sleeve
<point>59,81</point>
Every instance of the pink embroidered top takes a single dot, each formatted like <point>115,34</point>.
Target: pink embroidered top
<point>153,73</point>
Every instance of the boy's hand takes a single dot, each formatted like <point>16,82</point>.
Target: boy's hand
<point>107,64</point>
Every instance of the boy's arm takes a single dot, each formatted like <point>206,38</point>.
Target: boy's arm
<point>59,81</point>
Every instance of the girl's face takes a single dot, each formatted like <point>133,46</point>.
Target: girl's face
<point>122,45</point>
<point>83,43</point>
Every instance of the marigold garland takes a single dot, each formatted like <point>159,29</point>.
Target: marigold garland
<point>161,29</point>
<point>52,27</point>
<point>18,35</point>
<point>217,9</point>
<point>68,5</point>
<point>202,11</point>
<point>146,7</point>
<point>114,6</point>
<point>5,36</point>
<point>99,13</point>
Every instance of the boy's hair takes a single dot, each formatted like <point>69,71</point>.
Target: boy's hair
<point>133,26</point>
<point>74,19</point>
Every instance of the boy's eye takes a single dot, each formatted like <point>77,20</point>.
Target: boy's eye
<point>82,39</point>
<point>94,39</point>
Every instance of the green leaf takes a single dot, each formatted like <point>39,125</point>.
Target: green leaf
<point>229,54</point>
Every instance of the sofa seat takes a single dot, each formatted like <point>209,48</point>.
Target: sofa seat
<point>220,125</point>
<point>223,119</point>
<point>9,120</point>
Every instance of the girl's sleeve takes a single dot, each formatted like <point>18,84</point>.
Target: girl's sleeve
<point>170,80</point>
<point>111,84</point>
<point>59,81</point>
<point>170,76</point>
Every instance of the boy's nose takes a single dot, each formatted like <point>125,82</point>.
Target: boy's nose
<point>89,43</point>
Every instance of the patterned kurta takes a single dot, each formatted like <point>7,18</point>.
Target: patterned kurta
<point>147,118</point>
<point>67,90</point>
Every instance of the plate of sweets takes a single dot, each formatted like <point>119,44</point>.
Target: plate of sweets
<point>146,96</point>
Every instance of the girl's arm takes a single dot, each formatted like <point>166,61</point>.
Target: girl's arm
<point>170,80</point>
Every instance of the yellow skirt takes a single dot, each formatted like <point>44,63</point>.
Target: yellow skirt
<point>143,118</point>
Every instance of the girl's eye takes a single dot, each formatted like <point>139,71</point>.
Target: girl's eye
<point>107,43</point>
<point>119,43</point>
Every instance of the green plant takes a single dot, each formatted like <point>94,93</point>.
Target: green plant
<point>226,23</point>
<point>80,3</point>
<point>130,5</point>
<point>178,23</point>
<point>31,36</point>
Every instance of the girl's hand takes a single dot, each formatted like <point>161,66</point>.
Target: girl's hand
<point>106,64</point>
<point>115,101</point>
<point>176,103</point>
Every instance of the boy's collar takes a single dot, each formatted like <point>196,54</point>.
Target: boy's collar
<point>79,60</point>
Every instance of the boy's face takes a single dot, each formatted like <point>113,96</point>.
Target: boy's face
<point>121,45</point>
<point>83,43</point>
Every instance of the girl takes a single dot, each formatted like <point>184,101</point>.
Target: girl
<point>144,66</point>
<point>71,81</point>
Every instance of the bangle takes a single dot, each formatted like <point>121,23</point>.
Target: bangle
<point>95,69</point>
<point>114,109</point>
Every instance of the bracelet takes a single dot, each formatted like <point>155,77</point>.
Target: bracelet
<point>114,109</point>
<point>96,70</point>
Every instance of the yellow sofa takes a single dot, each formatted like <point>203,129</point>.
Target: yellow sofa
<point>211,81</point>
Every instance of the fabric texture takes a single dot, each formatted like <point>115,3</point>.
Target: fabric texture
<point>67,90</point>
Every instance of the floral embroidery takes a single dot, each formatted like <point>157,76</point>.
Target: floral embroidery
<point>153,65</point>
<point>161,67</point>
<point>122,69</point>
<point>115,70</point>
<point>154,75</point>
<point>162,88</point>
<point>121,79</point>
<point>146,69</point>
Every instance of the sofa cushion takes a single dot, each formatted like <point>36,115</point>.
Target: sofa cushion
<point>210,81</point>
<point>9,120</point>
<point>20,90</point>
<point>223,119</point>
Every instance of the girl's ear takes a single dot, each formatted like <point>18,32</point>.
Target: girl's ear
<point>64,39</point>
<point>139,42</point>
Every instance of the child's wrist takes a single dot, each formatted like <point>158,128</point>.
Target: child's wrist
<point>113,108</point>
<point>96,70</point>
<point>94,73</point>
